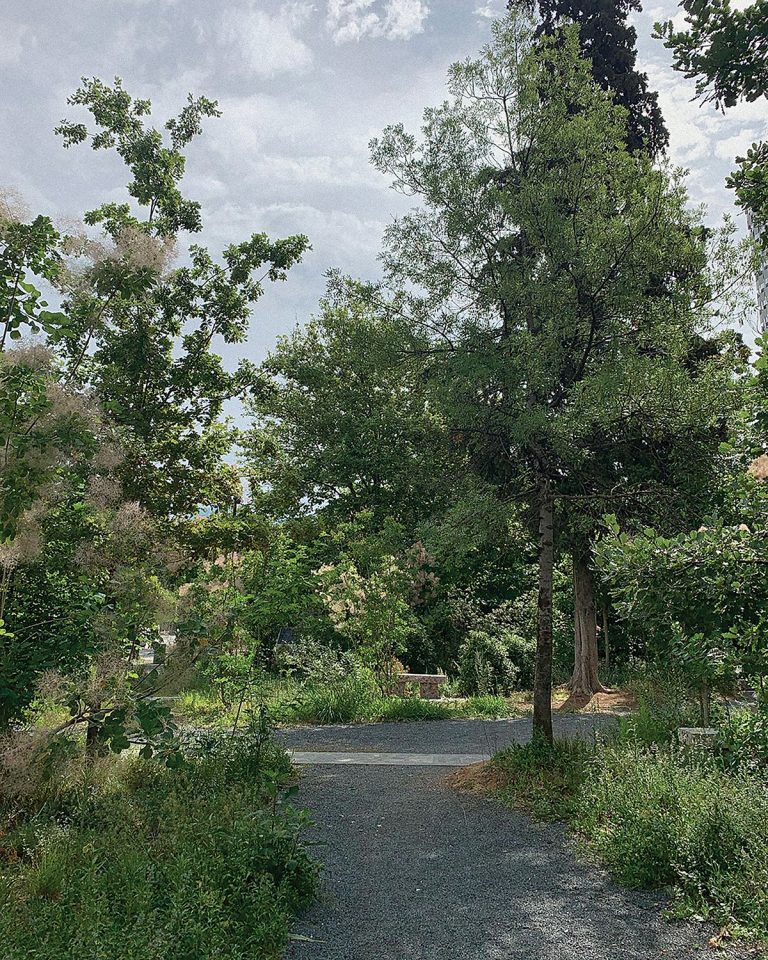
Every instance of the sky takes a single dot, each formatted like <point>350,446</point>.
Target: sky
<point>303,87</point>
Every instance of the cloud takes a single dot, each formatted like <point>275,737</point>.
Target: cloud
<point>488,11</point>
<point>15,39</point>
<point>394,19</point>
<point>266,43</point>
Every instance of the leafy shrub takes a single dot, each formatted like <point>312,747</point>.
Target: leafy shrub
<point>743,740</point>
<point>314,662</point>
<point>134,860</point>
<point>495,664</point>
<point>658,819</point>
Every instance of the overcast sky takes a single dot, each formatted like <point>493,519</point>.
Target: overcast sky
<point>303,87</point>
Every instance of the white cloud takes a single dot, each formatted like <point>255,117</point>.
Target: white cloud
<point>488,11</point>
<point>394,19</point>
<point>268,44</point>
<point>15,39</point>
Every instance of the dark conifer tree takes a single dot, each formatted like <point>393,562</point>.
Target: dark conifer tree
<point>609,42</point>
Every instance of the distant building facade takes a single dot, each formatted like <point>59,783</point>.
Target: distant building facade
<point>761,281</point>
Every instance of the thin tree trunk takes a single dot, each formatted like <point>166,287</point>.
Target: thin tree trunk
<point>542,685</point>
<point>585,680</point>
<point>606,641</point>
<point>705,697</point>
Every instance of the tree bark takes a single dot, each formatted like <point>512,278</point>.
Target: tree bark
<point>585,680</point>
<point>542,685</point>
<point>606,640</point>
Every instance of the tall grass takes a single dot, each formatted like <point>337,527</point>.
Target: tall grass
<point>353,700</point>
<point>125,858</point>
<point>659,816</point>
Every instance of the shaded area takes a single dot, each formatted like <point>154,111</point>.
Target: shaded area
<point>417,870</point>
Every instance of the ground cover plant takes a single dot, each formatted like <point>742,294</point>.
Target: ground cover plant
<point>657,814</point>
<point>125,857</point>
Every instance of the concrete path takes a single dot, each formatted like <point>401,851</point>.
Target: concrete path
<point>416,871</point>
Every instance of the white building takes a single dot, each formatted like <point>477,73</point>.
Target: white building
<point>761,281</point>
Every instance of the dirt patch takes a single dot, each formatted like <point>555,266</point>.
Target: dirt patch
<point>478,778</point>
<point>608,701</point>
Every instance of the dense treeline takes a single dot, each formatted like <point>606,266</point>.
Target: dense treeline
<point>424,467</point>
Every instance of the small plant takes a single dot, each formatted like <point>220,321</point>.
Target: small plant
<point>544,779</point>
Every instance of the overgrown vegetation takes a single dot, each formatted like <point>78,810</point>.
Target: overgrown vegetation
<point>350,700</point>
<point>535,450</point>
<point>127,858</point>
<point>658,814</point>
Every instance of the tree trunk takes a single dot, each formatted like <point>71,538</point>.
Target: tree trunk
<point>94,745</point>
<point>606,641</point>
<point>542,685</point>
<point>585,680</point>
<point>705,698</point>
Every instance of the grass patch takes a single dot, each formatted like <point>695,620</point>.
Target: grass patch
<point>542,779</point>
<point>125,858</point>
<point>655,815</point>
<point>354,700</point>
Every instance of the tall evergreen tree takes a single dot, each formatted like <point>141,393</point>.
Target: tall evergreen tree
<point>531,259</point>
<point>608,41</point>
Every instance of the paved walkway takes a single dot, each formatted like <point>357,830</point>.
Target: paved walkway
<point>416,871</point>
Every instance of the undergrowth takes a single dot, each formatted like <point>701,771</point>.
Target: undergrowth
<point>659,816</point>
<point>126,858</point>
<point>350,701</point>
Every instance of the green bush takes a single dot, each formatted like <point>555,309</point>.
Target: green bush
<point>657,818</point>
<point>743,740</point>
<point>495,664</point>
<point>133,860</point>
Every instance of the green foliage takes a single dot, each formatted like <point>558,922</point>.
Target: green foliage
<point>663,696</point>
<point>657,820</point>
<point>656,815</point>
<point>608,42</point>
<point>342,422</point>
<point>743,740</point>
<point>350,697</point>
<point>495,664</point>
<point>152,331</point>
<point>721,49</point>
<point>372,612</point>
<point>724,50</point>
<point>156,167</point>
<point>542,778</point>
<point>702,594</point>
<point>128,859</point>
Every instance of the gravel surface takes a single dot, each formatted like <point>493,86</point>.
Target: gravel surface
<point>434,736</point>
<point>417,871</point>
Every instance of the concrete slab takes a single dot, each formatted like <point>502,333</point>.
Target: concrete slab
<point>311,758</point>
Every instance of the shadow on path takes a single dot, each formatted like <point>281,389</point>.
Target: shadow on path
<point>417,871</point>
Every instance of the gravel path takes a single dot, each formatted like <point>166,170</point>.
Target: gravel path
<point>417,871</point>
